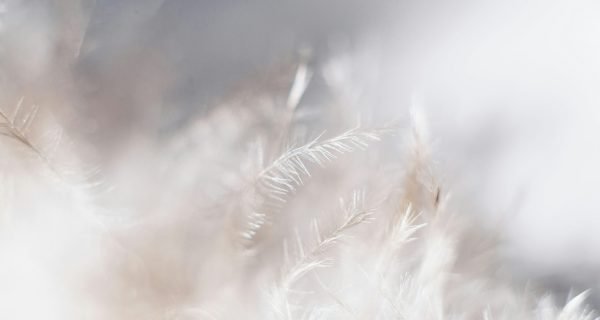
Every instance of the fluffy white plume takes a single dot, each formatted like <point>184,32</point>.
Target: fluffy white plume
<point>139,183</point>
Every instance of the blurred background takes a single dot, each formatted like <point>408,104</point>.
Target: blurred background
<point>510,90</point>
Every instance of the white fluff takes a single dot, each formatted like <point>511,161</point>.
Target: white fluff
<point>280,196</point>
